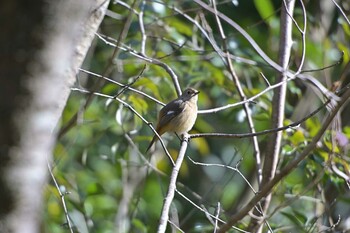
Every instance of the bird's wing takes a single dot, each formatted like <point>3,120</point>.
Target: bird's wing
<point>171,110</point>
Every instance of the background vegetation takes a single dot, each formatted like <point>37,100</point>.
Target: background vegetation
<point>109,184</point>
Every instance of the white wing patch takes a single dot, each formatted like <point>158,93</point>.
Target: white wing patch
<point>170,113</point>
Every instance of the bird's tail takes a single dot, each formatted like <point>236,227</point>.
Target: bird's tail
<point>154,139</point>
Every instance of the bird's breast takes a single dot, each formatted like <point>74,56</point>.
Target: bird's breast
<point>184,122</point>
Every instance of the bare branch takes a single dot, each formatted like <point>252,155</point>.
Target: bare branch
<point>206,212</point>
<point>302,31</point>
<point>142,27</point>
<point>134,111</point>
<point>154,61</point>
<point>268,131</point>
<point>290,74</point>
<point>273,147</point>
<point>163,221</point>
<point>122,85</point>
<point>62,196</point>
<point>289,167</point>
<point>341,11</point>
<point>243,97</point>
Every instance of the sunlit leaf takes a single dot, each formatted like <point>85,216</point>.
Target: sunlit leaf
<point>297,137</point>
<point>264,7</point>
<point>313,126</point>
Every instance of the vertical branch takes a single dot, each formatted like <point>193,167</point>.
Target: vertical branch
<point>131,178</point>
<point>243,97</point>
<point>172,186</point>
<point>142,28</point>
<point>279,93</point>
<point>302,32</point>
<point>279,97</point>
<point>274,143</point>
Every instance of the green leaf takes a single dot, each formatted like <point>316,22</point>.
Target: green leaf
<point>179,26</point>
<point>139,104</point>
<point>294,218</point>
<point>139,225</point>
<point>265,8</point>
<point>288,149</point>
<point>297,137</point>
<point>313,125</point>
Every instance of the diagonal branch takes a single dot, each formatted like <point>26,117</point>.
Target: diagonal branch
<point>288,168</point>
<point>163,221</point>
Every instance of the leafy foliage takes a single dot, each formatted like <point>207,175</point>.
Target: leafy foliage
<point>111,185</point>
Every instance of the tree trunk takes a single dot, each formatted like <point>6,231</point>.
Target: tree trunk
<point>41,50</point>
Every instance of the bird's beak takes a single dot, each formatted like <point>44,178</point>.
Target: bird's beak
<point>196,93</point>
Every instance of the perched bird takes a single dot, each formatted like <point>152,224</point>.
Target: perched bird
<point>178,116</point>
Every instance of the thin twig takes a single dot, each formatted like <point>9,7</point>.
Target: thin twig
<point>154,61</point>
<point>243,33</point>
<point>134,111</point>
<point>206,212</point>
<point>235,169</point>
<point>261,53</point>
<point>62,196</point>
<point>340,61</point>
<point>243,97</point>
<point>122,85</point>
<point>341,11</point>
<point>297,196</point>
<point>217,213</point>
<point>290,74</point>
<point>288,168</point>
<point>127,86</point>
<point>109,68</point>
<point>266,80</point>
<point>302,32</point>
<point>245,135</point>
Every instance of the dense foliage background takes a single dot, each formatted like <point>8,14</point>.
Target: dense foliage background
<point>109,183</point>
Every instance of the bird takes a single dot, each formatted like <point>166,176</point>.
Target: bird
<point>178,115</point>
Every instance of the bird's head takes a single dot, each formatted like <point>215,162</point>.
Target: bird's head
<point>190,94</point>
